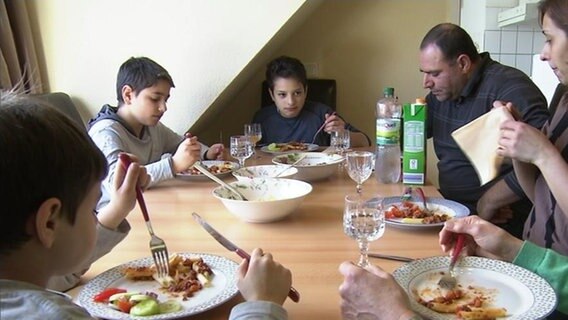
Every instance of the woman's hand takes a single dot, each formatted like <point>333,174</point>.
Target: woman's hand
<point>484,239</point>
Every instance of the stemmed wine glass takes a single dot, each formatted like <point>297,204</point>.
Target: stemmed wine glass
<point>241,149</point>
<point>360,166</point>
<point>254,132</point>
<point>364,221</point>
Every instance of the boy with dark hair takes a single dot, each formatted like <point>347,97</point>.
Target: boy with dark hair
<point>143,88</point>
<point>51,173</point>
<point>51,178</point>
<point>291,117</point>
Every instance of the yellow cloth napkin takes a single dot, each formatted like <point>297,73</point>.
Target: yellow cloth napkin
<point>479,141</point>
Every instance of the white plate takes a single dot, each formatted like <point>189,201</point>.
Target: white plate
<point>311,147</point>
<point>208,163</point>
<point>449,207</point>
<point>524,294</point>
<point>223,288</point>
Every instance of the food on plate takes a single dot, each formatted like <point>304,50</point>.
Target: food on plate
<point>467,302</point>
<point>410,212</point>
<point>186,277</point>
<point>290,146</point>
<point>226,166</point>
<point>136,303</point>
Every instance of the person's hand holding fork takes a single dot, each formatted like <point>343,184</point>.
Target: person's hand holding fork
<point>333,123</point>
<point>187,153</point>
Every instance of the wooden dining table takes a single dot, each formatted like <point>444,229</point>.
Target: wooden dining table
<point>310,241</point>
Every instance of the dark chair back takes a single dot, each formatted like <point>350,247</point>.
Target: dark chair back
<point>319,90</point>
<point>62,102</point>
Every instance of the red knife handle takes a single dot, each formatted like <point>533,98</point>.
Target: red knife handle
<point>294,295</point>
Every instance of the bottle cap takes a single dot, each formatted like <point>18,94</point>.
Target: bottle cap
<point>388,91</point>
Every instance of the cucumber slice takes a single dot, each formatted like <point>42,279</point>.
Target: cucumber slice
<point>170,306</point>
<point>146,307</point>
<point>139,297</point>
<point>273,147</point>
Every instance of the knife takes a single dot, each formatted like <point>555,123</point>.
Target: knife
<point>390,257</point>
<point>293,294</point>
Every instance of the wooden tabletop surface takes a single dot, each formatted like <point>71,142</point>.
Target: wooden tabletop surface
<point>310,242</point>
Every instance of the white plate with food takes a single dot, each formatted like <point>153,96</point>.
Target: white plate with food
<point>219,168</point>
<point>496,287</point>
<point>411,215</point>
<point>312,166</point>
<point>222,287</point>
<point>282,148</point>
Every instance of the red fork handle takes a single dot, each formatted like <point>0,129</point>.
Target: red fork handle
<point>125,162</point>
<point>293,294</point>
<point>457,247</point>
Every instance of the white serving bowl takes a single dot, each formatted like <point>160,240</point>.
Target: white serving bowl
<point>269,199</point>
<point>314,166</point>
<point>263,171</point>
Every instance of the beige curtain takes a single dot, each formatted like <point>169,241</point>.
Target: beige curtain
<point>19,67</point>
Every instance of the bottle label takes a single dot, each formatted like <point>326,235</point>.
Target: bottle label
<point>414,136</point>
<point>388,131</point>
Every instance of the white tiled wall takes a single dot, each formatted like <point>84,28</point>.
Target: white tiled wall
<point>513,45</point>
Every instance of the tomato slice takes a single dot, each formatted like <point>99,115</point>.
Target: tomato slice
<point>107,293</point>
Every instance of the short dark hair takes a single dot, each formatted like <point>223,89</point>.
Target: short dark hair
<point>44,155</point>
<point>452,40</point>
<point>140,73</point>
<point>285,67</point>
<point>557,10</point>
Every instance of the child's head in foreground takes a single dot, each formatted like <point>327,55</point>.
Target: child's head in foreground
<point>51,173</point>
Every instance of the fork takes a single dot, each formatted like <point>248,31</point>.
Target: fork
<point>423,197</point>
<point>157,245</point>
<point>448,280</point>
<point>321,128</point>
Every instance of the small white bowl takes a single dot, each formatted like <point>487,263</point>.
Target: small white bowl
<point>315,165</point>
<point>269,199</point>
<point>264,171</point>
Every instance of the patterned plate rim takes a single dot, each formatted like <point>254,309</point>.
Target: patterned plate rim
<point>202,177</point>
<point>311,147</point>
<point>103,280</point>
<point>545,299</point>
<point>338,159</point>
<point>463,212</point>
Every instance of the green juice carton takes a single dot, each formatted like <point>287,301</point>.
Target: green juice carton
<point>414,143</point>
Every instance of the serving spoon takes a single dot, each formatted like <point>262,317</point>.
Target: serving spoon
<point>211,176</point>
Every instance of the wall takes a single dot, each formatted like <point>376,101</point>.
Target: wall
<point>204,44</point>
<point>512,45</point>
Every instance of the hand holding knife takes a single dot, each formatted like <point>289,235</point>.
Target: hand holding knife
<point>294,295</point>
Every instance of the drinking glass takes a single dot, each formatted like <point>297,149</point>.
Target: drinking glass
<point>360,166</point>
<point>241,149</point>
<point>254,132</point>
<point>364,221</point>
<point>340,141</point>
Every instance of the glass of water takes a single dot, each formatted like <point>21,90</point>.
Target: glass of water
<point>360,166</point>
<point>364,221</point>
<point>241,148</point>
<point>340,141</point>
